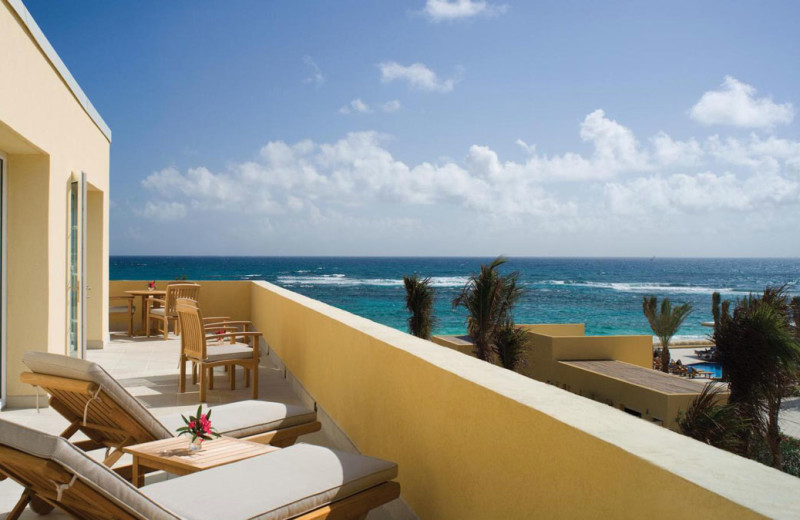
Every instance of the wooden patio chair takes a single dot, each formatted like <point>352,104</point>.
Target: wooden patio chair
<point>207,351</point>
<point>98,406</point>
<point>124,306</point>
<point>301,482</point>
<point>164,310</point>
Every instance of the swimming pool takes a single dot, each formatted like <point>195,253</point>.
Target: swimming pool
<point>714,368</point>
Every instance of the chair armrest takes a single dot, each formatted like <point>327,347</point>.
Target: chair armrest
<point>157,300</point>
<point>234,335</point>
<point>215,319</point>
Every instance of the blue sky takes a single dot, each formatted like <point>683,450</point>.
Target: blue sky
<point>443,127</point>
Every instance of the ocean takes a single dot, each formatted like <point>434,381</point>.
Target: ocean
<point>604,293</point>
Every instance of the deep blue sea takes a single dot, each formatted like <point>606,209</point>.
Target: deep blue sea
<point>604,293</point>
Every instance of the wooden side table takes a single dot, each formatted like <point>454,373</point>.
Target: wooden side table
<point>173,455</point>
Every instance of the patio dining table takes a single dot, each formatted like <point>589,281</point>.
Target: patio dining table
<point>145,294</point>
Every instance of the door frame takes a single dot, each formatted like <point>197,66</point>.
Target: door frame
<point>3,277</point>
<point>81,201</point>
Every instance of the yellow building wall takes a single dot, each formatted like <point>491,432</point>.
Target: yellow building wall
<point>476,441</point>
<point>49,138</point>
<point>217,298</point>
<point>653,405</point>
<point>555,329</point>
<point>546,350</point>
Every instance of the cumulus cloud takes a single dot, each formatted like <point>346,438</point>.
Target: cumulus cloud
<point>315,75</point>
<point>391,106</point>
<point>163,210</point>
<point>452,10</point>
<point>736,104</point>
<point>417,75</point>
<point>358,106</point>
<point>617,177</point>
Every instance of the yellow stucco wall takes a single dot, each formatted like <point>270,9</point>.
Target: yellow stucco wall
<point>476,441</point>
<point>49,138</point>
<point>217,298</point>
<point>663,408</point>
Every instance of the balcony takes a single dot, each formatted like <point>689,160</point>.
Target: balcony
<point>472,440</point>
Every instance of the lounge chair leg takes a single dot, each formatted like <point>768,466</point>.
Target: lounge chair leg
<point>39,506</point>
<point>182,380</point>
<point>210,378</point>
<point>255,382</point>
<point>20,506</point>
<point>203,373</point>
<point>246,377</point>
<point>232,376</point>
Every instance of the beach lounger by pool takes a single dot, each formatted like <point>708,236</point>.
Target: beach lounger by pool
<point>302,482</point>
<point>97,405</point>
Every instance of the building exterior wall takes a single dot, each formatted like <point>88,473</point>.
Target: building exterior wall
<point>50,138</point>
<point>217,298</point>
<point>473,440</point>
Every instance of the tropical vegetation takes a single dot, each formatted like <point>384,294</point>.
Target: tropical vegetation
<point>489,298</point>
<point>665,322</point>
<point>758,346</point>
<point>419,302</point>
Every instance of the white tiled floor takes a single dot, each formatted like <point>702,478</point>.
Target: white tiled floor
<point>149,370</point>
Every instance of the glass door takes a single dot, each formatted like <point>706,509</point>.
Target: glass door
<point>77,248</point>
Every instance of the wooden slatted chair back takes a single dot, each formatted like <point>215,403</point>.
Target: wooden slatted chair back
<point>193,338</point>
<point>91,410</point>
<point>180,290</point>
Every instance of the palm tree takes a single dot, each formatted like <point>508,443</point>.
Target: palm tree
<point>419,302</point>
<point>489,298</point>
<point>759,351</point>
<point>665,322</point>
<point>510,345</point>
<point>710,420</point>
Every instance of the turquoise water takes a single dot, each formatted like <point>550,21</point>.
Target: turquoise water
<point>714,368</point>
<point>604,293</point>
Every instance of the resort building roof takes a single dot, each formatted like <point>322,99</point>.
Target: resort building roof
<point>645,377</point>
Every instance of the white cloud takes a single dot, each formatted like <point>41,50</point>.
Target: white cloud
<point>357,105</point>
<point>417,75</point>
<point>736,104</point>
<point>315,75</point>
<point>703,192</point>
<point>668,151</point>
<point>451,10</point>
<point>391,106</point>
<point>618,177</point>
<point>163,210</point>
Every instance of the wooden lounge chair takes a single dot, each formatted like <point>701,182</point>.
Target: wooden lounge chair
<point>207,351</point>
<point>123,305</point>
<point>164,310</point>
<point>98,406</point>
<point>301,482</point>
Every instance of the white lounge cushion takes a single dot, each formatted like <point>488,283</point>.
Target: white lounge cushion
<point>225,351</point>
<point>50,447</point>
<point>246,418</point>
<point>240,419</point>
<point>158,311</point>
<point>65,366</point>
<point>121,309</point>
<point>274,486</point>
